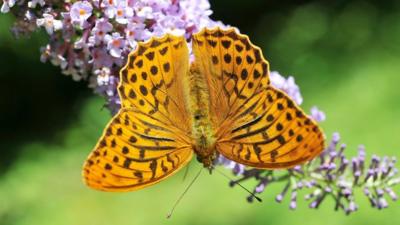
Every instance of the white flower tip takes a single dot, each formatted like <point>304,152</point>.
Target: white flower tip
<point>40,22</point>
<point>57,25</point>
<point>177,32</point>
<point>317,114</point>
<point>279,198</point>
<point>5,8</point>
<point>31,5</point>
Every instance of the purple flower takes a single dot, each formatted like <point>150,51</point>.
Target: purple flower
<point>317,114</point>
<point>115,44</point>
<point>32,4</point>
<point>80,12</point>
<point>120,10</point>
<point>99,31</point>
<point>169,24</point>
<point>59,60</point>
<point>67,21</point>
<point>136,32</point>
<point>235,167</point>
<point>104,32</point>
<point>100,58</point>
<point>330,175</point>
<point>145,12</point>
<point>287,85</point>
<point>333,179</point>
<point>45,53</point>
<point>7,4</point>
<point>107,84</point>
<point>103,76</point>
<point>49,23</point>
<point>109,7</point>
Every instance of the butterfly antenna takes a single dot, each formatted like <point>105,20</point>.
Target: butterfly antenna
<point>186,172</point>
<point>183,194</point>
<point>235,182</point>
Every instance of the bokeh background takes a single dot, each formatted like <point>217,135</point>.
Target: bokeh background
<point>345,55</point>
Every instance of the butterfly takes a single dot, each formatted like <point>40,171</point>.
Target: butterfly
<point>220,103</point>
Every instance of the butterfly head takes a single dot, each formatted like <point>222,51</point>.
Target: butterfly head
<point>205,151</point>
<point>207,160</point>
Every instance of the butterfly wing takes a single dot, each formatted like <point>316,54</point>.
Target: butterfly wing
<point>148,139</point>
<point>233,69</point>
<point>271,131</point>
<point>257,125</point>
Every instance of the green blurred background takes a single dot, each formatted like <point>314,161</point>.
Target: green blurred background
<point>344,55</point>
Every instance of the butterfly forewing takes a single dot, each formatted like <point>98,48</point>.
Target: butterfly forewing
<point>152,80</point>
<point>255,124</point>
<point>148,140</point>
<point>232,67</point>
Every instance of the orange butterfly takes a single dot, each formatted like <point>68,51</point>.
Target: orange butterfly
<point>221,103</point>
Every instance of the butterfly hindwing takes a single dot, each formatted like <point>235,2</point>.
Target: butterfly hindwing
<point>148,139</point>
<point>271,131</point>
<point>133,154</point>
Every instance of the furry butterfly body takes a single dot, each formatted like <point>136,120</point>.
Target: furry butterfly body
<point>221,103</point>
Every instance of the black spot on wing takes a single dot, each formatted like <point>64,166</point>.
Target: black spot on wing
<point>164,50</point>
<point>150,56</point>
<point>226,43</point>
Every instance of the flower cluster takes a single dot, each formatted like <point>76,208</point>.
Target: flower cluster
<point>332,174</point>
<point>90,39</point>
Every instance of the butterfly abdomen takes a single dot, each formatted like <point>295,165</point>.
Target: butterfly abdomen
<point>198,100</point>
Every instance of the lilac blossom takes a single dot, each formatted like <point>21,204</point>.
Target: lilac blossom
<point>136,31</point>
<point>98,33</point>
<point>146,12</point>
<point>100,58</point>
<point>88,35</point>
<point>317,114</point>
<point>115,44</point>
<point>288,85</point>
<point>90,40</point>
<point>80,12</point>
<point>49,23</point>
<point>32,4</point>
<point>7,4</point>
<point>118,9</point>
